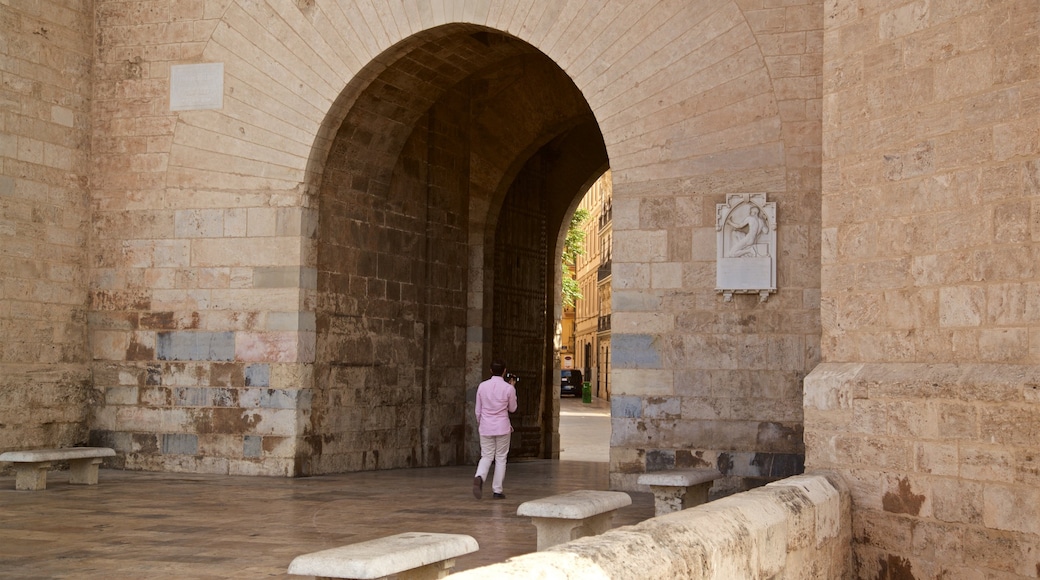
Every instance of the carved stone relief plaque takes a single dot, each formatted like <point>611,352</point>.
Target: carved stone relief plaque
<point>746,246</point>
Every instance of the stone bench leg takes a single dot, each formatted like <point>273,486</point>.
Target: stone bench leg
<point>31,476</point>
<point>434,571</point>
<point>84,471</point>
<point>668,499</point>
<point>553,531</point>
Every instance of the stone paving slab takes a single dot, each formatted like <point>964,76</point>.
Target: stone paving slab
<point>167,525</point>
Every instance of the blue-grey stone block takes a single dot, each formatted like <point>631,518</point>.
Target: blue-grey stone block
<point>168,345</point>
<point>779,465</point>
<point>269,398</point>
<point>277,399</point>
<point>626,407</point>
<point>660,459</point>
<point>258,375</point>
<point>191,397</point>
<point>180,444</point>
<point>221,346</point>
<point>252,446</point>
<point>179,345</point>
<point>634,351</point>
<point>662,408</point>
<point>249,398</point>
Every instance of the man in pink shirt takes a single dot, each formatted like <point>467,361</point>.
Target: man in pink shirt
<point>496,398</point>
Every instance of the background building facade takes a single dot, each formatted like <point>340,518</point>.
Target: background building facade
<point>592,312</point>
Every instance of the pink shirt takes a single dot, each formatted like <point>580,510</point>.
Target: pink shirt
<point>495,400</point>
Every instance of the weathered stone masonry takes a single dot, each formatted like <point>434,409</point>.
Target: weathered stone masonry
<point>45,161</point>
<point>307,279</point>
<point>927,400</point>
<point>219,244</point>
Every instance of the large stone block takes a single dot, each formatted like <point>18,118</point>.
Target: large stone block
<point>180,444</point>
<point>644,382</point>
<point>1012,508</point>
<point>193,346</point>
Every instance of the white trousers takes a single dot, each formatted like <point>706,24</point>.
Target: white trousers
<point>493,447</point>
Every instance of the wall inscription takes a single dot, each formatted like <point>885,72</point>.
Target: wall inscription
<point>195,87</point>
<point>746,246</point>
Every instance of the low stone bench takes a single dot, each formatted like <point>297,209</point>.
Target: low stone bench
<point>412,556</point>
<point>679,489</point>
<point>569,516</point>
<point>31,466</point>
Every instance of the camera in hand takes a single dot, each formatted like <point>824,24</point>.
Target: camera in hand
<point>511,378</point>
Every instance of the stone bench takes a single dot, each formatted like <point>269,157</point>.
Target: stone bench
<point>679,489</point>
<point>412,556</point>
<point>569,516</point>
<point>31,466</point>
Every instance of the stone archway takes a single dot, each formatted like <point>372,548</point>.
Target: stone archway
<point>467,143</point>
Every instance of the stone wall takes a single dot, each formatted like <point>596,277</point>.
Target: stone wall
<point>927,401</point>
<point>202,325</point>
<point>391,308</point>
<point>698,381</point>
<point>942,462</point>
<point>795,528</point>
<point>45,127</point>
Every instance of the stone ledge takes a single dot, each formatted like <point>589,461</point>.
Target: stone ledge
<point>834,386</point>
<point>799,527</point>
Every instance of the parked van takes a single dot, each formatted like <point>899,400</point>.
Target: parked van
<point>570,382</point>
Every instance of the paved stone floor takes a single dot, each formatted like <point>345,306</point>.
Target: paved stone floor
<point>162,525</point>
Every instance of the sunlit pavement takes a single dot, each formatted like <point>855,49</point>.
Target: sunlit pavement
<point>584,430</point>
<point>162,525</point>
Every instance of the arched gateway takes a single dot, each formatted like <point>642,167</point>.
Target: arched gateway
<point>437,210</point>
<point>311,275</point>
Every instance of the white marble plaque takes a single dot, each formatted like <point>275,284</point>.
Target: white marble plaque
<point>197,86</point>
<point>744,274</point>
<point>746,246</point>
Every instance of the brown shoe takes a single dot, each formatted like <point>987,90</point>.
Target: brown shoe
<point>478,487</point>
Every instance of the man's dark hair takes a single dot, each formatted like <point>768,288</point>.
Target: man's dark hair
<point>498,366</point>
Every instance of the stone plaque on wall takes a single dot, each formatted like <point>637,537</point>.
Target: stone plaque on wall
<point>746,246</point>
<point>197,86</point>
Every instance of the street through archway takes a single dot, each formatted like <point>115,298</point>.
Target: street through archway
<point>584,430</point>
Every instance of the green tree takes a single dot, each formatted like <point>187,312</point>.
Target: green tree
<point>573,246</point>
